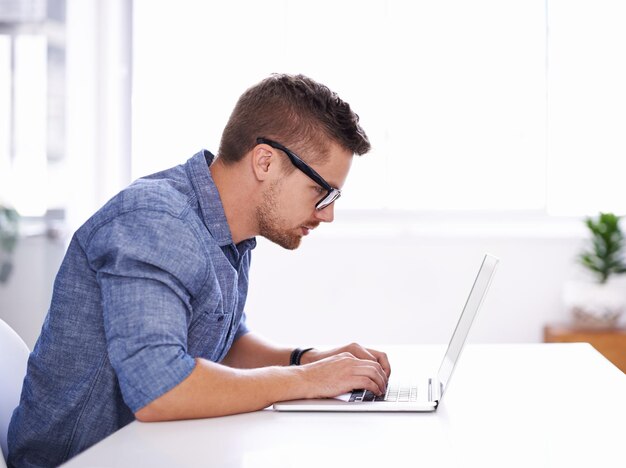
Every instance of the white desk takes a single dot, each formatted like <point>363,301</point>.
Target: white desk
<point>533,405</point>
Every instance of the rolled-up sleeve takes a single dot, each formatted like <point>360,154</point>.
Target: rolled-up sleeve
<point>142,265</point>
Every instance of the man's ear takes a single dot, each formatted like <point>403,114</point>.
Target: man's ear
<point>263,161</point>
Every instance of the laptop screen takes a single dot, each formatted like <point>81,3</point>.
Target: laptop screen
<point>474,301</point>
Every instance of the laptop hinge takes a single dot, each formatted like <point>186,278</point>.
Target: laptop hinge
<point>434,390</point>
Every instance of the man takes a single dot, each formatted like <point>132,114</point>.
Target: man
<point>147,316</point>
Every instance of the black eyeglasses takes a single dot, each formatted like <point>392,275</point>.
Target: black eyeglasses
<point>333,193</point>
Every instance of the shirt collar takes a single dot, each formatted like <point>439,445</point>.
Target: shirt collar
<point>210,202</point>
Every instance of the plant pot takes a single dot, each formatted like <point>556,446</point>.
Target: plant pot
<point>595,305</point>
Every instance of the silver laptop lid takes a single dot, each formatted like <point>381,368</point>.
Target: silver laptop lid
<point>474,301</point>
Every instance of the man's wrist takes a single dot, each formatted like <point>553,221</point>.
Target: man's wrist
<point>309,357</point>
<point>297,355</point>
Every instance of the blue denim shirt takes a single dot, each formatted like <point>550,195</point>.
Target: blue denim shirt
<point>151,281</point>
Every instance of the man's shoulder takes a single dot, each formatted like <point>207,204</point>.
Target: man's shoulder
<point>160,199</point>
<point>169,191</point>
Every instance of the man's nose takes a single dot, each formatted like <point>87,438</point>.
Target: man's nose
<point>326,215</point>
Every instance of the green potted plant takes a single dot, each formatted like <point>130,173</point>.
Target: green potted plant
<point>9,230</point>
<point>599,301</point>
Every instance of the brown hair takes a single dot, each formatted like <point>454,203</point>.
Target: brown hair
<point>296,111</point>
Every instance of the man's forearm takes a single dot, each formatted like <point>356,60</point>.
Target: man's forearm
<point>216,390</point>
<point>251,351</point>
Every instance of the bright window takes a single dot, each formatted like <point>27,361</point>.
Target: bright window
<point>451,93</point>
<point>23,109</point>
<point>587,106</point>
<point>490,105</point>
<point>33,174</point>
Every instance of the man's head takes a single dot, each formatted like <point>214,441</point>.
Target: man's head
<point>296,111</point>
<point>298,138</point>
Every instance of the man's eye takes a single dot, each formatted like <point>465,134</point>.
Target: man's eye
<point>319,189</point>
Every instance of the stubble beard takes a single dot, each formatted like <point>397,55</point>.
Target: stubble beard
<point>269,221</point>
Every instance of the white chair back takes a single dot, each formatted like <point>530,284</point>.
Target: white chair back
<point>13,360</point>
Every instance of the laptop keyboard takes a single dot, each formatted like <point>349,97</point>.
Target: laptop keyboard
<point>395,393</point>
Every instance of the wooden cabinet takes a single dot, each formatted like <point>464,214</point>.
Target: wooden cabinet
<point>610,342</point>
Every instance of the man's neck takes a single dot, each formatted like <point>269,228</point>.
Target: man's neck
<point>237,199</point>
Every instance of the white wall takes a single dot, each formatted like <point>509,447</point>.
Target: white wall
<point>25,297</point>
<point>404,288</point>
<point>368,283</point>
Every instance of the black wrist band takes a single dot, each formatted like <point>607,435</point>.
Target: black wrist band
<point>296,355</point>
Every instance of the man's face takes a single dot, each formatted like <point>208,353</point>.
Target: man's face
<point>287,211</point>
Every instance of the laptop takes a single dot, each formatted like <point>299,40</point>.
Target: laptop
<point>411,395</point>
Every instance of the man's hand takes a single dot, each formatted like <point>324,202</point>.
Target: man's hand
<point>340,370</point>
<point>355,350</point>
<point>341,373</point>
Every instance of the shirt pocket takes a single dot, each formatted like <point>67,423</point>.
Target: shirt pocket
<point>209,333</point>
